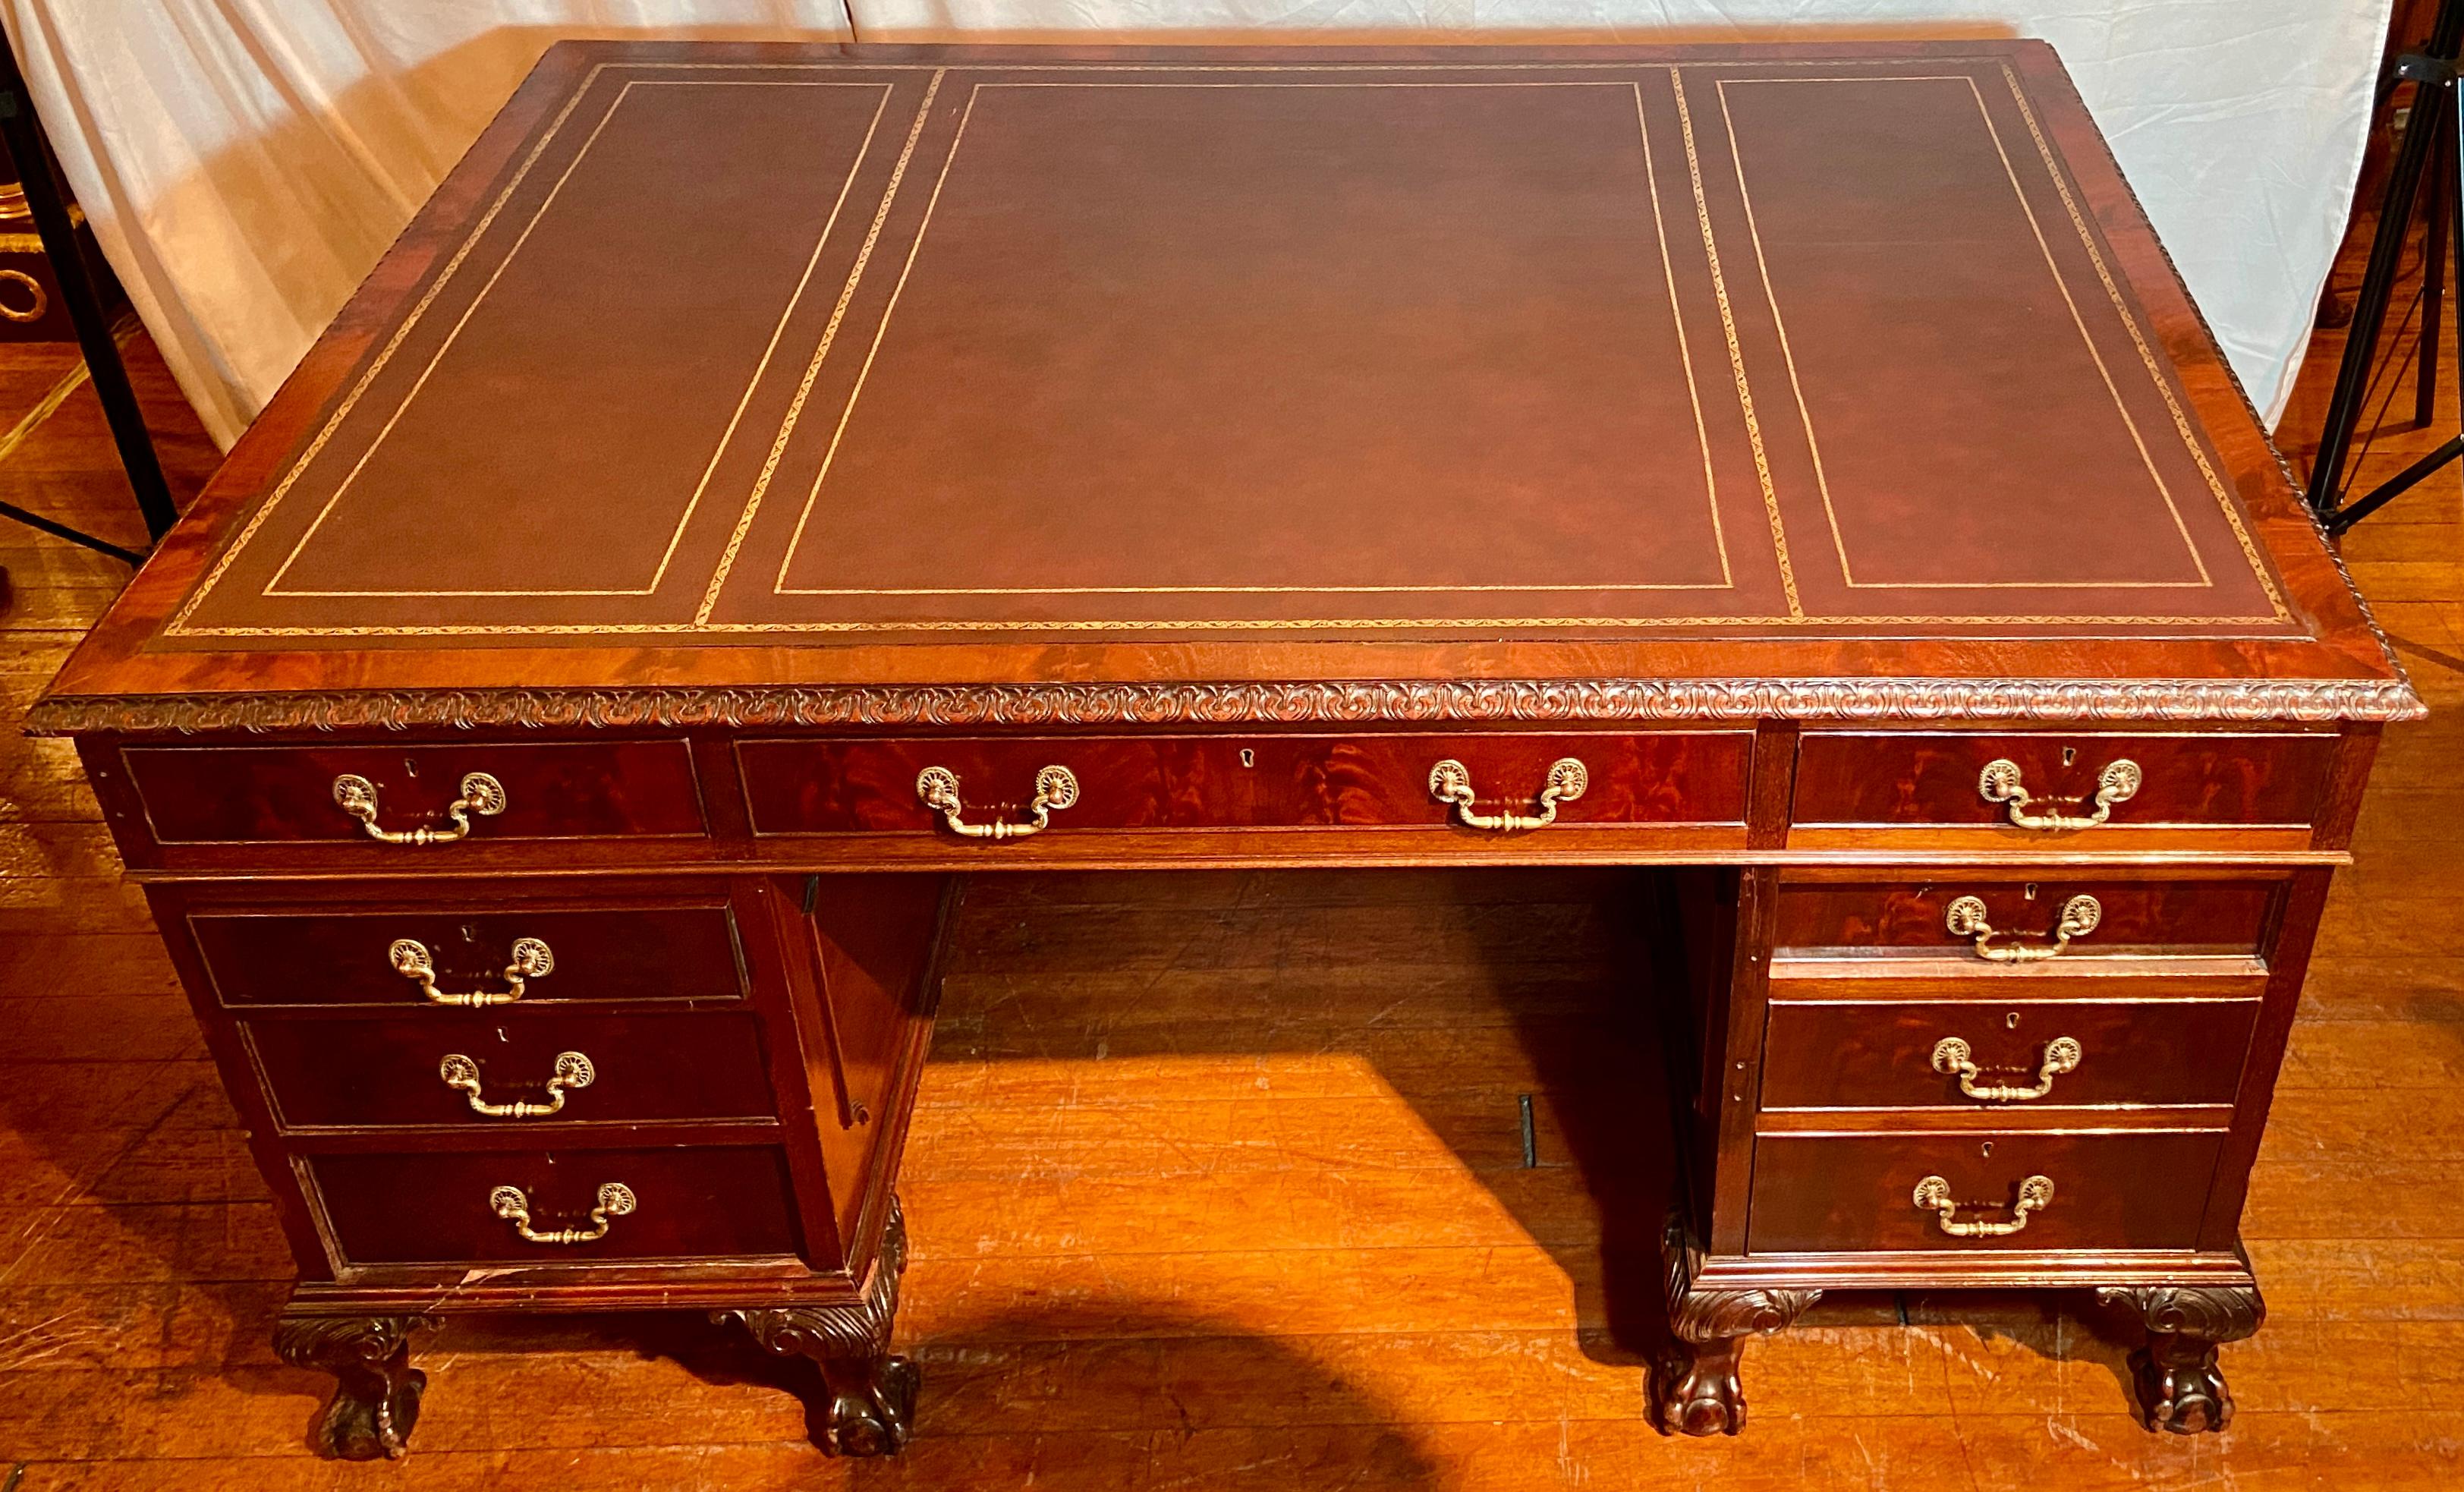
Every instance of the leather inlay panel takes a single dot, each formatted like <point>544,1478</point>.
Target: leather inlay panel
<point>1348,348</point>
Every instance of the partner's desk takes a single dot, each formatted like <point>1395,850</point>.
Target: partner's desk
<point>766,482</point>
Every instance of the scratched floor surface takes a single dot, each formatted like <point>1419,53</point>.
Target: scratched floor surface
<point>1219,1182</point>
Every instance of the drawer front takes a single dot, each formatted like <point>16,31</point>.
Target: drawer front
<point>371,1073</point>
<point>731,1201</point>
<point>2133,916</point>
<point>1854,777</point>
<point>1838,1054</point>
<point>289,956</point>
<point>209,795</point>
<point>1244,781</point>
<point>1836,1194</point>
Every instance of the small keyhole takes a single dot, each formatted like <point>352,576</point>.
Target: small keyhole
<point>409,768</point>
<point>2070,754</point>
<point>2032,890</point>
<point>1986,1149</point>
<point>1249,757</point>
<point>2012,1020</point>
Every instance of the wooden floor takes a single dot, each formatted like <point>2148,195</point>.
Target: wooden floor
<point>1218,1183</point>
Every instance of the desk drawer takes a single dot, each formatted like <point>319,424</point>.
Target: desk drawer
<point>1839,1054</point>
<point>324,1073</point>
<point>2109,916</point>
<point>208,795</point>
<point>284,955</point>
<point>1269,780</point>
<point>1854,778</point>
<point>723,1202</point>
<point>1840,1193</point>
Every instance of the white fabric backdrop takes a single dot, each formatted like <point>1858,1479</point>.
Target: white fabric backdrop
<point>245,162</point>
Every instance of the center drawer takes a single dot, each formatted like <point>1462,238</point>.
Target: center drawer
<point>444,1208</point>
<point>1264,780</point>
<point>558,1069</point>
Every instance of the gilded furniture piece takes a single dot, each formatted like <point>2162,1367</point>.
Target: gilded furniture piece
<point>552,745</point>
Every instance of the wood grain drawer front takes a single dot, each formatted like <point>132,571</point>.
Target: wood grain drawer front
<point>371,1073</point>
<point>1245,782</point>
<point>2132,916</point>
<point>208,795</point>
<point>292,956</point>
<point>1855,779</point>
<point>1841,1194</point>
<point>1836,1054</point>
<point>439,1208</point>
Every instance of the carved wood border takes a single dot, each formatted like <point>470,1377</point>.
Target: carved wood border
<point>1337,702</point>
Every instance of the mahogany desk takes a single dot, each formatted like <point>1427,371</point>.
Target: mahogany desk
<point>766,483</point>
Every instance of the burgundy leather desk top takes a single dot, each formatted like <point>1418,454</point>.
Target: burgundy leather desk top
<point>1730,381</point>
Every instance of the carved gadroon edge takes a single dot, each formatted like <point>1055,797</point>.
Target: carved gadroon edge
<point>1337,702</point>
<point>842,1334</point>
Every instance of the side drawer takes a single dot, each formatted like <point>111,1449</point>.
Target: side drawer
<point>1266,780</point>
<point>324,1073</point>
<point>1852,781</point>
<point>240,795</point>
<point>439,1208</point>
<point>1817,1194</point>
<point>1968,915</point>
<point>289,955</point>
<point>1841,1054</point>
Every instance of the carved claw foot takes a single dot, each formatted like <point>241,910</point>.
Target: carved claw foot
<point>871,1394</point>
<point>376,1394</point>
<point>1695,1387</point>
<point>2180,1387</point>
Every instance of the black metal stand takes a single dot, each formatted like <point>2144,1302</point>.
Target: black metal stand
<point>38,172</point>
<point>2432,150</point>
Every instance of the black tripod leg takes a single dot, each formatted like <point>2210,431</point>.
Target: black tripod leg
<point>2437,211</point>
<point>2433,95</point>
<point>38,173</point>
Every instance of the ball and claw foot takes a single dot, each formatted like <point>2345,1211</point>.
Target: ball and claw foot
<point>376,1393</point>
<point>872,1404</point>
<point>1696,1392</point>
<point>2180,1387</point>
<point>871,1394</point>
<point>1694,1386</point>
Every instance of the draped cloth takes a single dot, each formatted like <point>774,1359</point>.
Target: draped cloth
<point>245,162</point>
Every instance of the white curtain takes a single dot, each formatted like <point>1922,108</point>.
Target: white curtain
<point>245,162</point>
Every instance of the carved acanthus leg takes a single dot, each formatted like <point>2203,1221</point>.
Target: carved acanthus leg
<point>2180,1387</point>
<point>1695,1387</point>
<point>376,1401</point>
<point>871,1394</point>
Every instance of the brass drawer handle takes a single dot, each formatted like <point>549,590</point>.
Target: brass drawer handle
<point>2117,783</point>
<point>1055,787</point>
<point>1450,783</point>
<point>573,1070</point>
<point>482,794</point>
<point>615,1200</point>
<point>532,960</point>
<point>1951,1055</point>
<point>1933,1196</point>
<point>1965,918</point>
